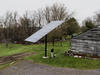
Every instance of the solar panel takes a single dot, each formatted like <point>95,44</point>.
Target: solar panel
<point>44,31</point>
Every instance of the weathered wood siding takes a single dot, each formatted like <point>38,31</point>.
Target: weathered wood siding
<point>86,47</point>
<point>88,42</point>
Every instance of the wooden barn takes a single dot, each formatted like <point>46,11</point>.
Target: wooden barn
<point>87,43</point>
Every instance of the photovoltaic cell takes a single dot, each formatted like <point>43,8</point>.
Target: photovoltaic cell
<point>44,31</point>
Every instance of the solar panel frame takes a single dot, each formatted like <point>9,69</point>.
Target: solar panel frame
<point>44,31</point>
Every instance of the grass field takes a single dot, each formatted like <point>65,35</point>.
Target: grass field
<point>60,60</point>
<point>12,49</point>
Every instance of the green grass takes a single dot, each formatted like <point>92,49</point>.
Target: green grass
<point>59,61</point>
<point>2,66</point>
<point>12,49</point>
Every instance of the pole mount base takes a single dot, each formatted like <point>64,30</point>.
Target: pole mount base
<point>45,57</point>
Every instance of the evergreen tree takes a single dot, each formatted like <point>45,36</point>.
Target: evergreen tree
<point>73,26</point>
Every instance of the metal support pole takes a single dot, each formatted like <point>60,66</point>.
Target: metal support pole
<point>46,46</point>
<point>53,42</point>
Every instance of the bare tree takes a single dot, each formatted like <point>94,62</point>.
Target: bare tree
<point>47,14</point>
<point>53,13</point>
<point>39,18</point>
<point>10,23</point>
<point>7,21</point>
<point>59,12</point>
<point>24,25</point>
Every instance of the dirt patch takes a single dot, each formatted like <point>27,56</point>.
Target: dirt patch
<point>15,57</point>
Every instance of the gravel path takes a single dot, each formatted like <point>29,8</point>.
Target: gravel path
<point>29,68</point>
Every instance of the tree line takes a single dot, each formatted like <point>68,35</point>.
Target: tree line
<point>15,28</point>
<point>90,23</point>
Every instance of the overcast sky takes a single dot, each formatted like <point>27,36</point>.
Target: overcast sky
<point>81,8</point>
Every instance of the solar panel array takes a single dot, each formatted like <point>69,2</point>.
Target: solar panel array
<point>44,31</point>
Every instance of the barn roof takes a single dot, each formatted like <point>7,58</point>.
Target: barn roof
<point>93,34</point>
